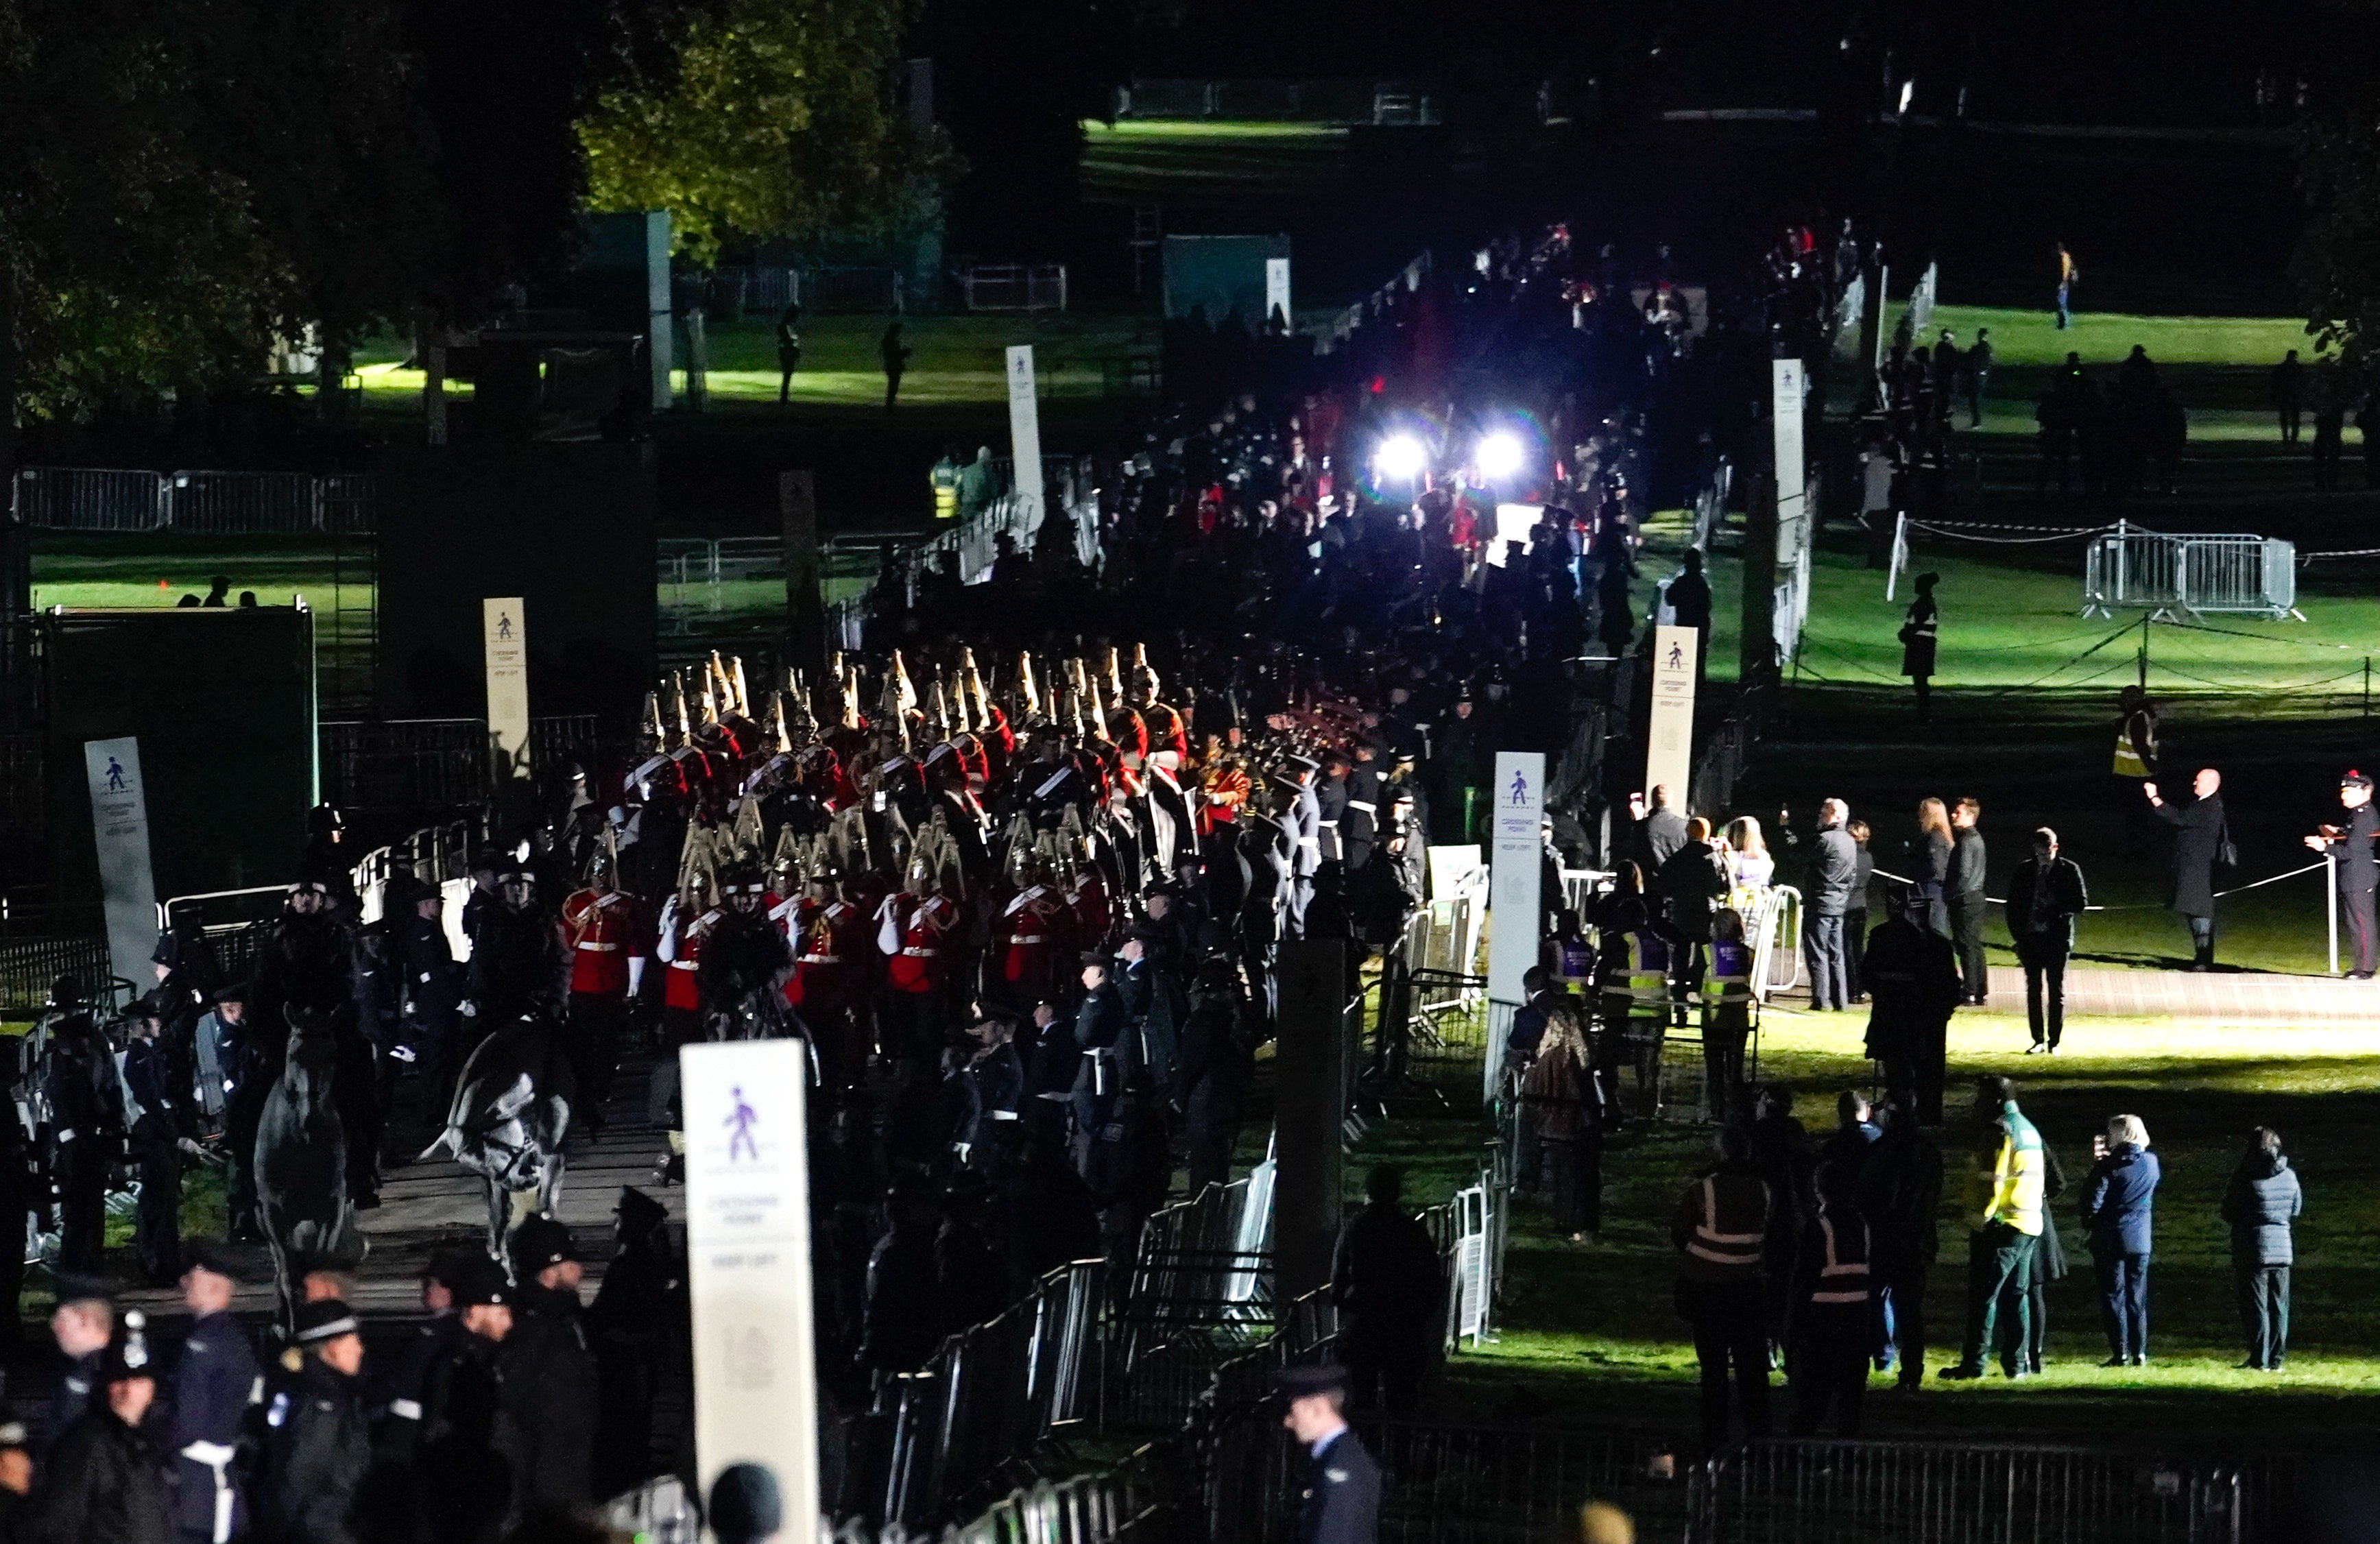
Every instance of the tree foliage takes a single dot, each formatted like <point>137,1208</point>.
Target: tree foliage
<point>2338,262</point>
<point>775,118</point>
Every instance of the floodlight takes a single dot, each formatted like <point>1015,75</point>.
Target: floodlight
<point>1401,457</point>
<point>1500,455</point>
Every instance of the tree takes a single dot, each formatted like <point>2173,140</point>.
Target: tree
<point>775,118</point>
<point>2337,262</point>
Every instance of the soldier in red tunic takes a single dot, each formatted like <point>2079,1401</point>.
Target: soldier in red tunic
<point>915,935</point>
<point>608,945</point>
<point>831,953</point>
<point>1036,929</point>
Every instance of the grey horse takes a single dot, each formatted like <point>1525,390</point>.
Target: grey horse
<point>301,1163</point>
<point>511,1113</point>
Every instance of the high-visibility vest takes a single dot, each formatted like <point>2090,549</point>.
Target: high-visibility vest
<point>1728,976</point>
<point>1843,1275</point>
<point>1648,973</point>
<point>1573,961</point>
<point>1731,1245</point>
<point>945,478</point>
<point>2016,1178</point>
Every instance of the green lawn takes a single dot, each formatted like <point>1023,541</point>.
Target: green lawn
<point>1587,1332</point>
<point>2031,337</point>
<point>954,360</point>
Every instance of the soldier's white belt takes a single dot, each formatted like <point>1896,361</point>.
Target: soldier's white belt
<point>1364,804</point>
<point>685,964</point>
<point>601,948</point>
<point>1002,1114</point>
<point>920,953</point>
<point>1028,938</point>
<point>819,959</point>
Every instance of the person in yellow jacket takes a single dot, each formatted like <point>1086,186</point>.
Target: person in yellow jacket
<point>2004,1219</point>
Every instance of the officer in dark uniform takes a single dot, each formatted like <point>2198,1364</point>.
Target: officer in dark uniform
<point>467,1447</point>
<point>1911,974</point>
<point>2358,870</point>
<point>318,1446</point>
<point>636,1328</point>
<point>1340,1501</point>
<point>23,1190</point>
<point>1359,827</point>
<point>432,991</point>
<point>399,1397</point>
<point>1331,798</point>
<point>161,1134</point>
<point>214,1385</point>
<point>517,960</point>
<point>746,959</point>
<point>305,961</point>
<point>105,1479</point>
<point>550,1381</point>
<point>87,1129</point>
<point>83,1324</point>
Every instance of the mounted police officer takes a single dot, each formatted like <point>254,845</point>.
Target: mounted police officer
<point>517,969</point>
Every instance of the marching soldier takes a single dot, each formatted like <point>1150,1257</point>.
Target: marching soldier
<point>827,988</point>
<point>745,962</point>
<point>914,934</point>
<point>1360,824</point>
<point>1037,932</point>
<point>607,943</point>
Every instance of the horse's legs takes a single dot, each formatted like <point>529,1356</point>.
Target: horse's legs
<point>500,1205</point>
<point>548,1186</point>
<point>281,1284</point>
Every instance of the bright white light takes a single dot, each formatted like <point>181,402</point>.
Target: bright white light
<point>1399,459</point>
<point>1500,455</point>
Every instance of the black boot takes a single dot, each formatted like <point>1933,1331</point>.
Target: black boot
<point>2205,960</point>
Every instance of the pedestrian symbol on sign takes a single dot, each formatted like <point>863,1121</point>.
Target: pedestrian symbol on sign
<point>504,627</point>
<point>1520,788</point>
<point>115,777</point>
<point>1677,656</point>
<point>742,1119</point>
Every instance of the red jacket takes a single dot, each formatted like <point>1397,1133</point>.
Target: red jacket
<point>604,933</point>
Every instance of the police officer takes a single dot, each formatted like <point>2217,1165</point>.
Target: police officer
<point>516,964</point>
<point>2357,868</point>
<point>1331,803</point>
<point>433,991</point>
<point>212,1387</point>
<point>637,1322</point>
<point>105,1479</point>
<point>318,1436</point>
<point>1833,1309</point>
<point>161,1131</point>
<point>400,1396</point>
<point>549,1379</point>
<point>83,1324</point>
<point>22,1190</point>
<point>467,1447</point>
<point>1340,1501</point>
<point>1359,826</point>
<point>86,1100</point>
<point>304,962</point>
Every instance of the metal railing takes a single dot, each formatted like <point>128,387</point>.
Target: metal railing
<point>994,1393</point>
<point>29,967</point>
<point>1309,101</point>
<point>1814,1493</point>
<point>1727,752</point>
<point>1201,1286</point>
<point>199,503</point>
<point>1348,323</point>
<point>2184,576</point>
<point>1016,286</point>
<point>426,766</point>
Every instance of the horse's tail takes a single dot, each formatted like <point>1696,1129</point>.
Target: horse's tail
<point>449,1140</point>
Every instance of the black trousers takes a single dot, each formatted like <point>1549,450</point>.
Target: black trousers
<point>157,1224</point>
<point>2356,909</point>
<point>1830,1360</point>
<point>593,1044</point>
<point>1731,1341</point>
<point>82,1189</point>
<point>2045,987</point>
<point>1855,951</point>
<point>2265,1312</point>
<point>2124,1303</point>
<point>1967,913</point>
<point>1384,1366</point>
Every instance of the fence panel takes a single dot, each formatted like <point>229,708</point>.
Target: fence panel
<point>240,503</point>
<point>88,498</point>
<point>1015,286</point>
<point>29,965</point>
<point>1814,1493</point>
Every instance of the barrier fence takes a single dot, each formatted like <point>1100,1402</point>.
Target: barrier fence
<point>1038,286</point>
<point>423,767</point>
<point>1309,101</point>
<point>994,1393</point>
<point>2184,576</point>
<point>103,499</point>
<point>1814,1493</point>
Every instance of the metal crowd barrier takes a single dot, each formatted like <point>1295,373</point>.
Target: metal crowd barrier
<point>1201,1286</point>
<point>29,967</point>
<point>1814,1493</point>
<point>2184,576</point>
<point>1775,928</point>
<point>205,502</point>
<point>1038,286</point>
<point>427,765</point>
<point>995,1392</point>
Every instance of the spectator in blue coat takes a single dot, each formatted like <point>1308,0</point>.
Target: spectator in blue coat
<point>2119,1202</point>
<point>2260,1204</point>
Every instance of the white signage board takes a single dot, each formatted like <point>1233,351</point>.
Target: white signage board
<point>1277,292</point>
<point>119,830</point>
<point>1025,433</point>
<point>505,633</point>
<point>1515,805</point>
<point>748,1248</point>
<point>1670,742</point>
<point>1785,418</point>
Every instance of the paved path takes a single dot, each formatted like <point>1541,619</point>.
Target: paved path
<point>2220,996</point>
<point>438,1204</point>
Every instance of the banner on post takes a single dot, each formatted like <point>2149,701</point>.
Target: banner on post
<point>1516,807</point>
<point>1277,292</point>
<point>1025,433</point>
<point>119,830</point>
<point>1785,419</point>
<point>748,1248</point>
<point>1670,739</point>
<point>504,632</point>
